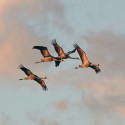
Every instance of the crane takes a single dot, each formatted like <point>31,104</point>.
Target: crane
<point>31,76</point>
<point>85,62</point>
<point>60,51</point>
<point>47,57</point>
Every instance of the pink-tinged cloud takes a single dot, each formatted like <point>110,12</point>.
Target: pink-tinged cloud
<point>107,48</point>
<point>62,105</point>
<point>5,119</point>
<point>121,110</point>
<point>24,24</point>
<point>37,118</point>
<point>102,93</point>
<point>15,49</point>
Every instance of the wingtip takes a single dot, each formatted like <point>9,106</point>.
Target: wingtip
<point>98,71</point>
<point>54,41</point>
<point>75,45</point>
<point>20,66</point>
<point>33,47</point>
<point>45,88</point>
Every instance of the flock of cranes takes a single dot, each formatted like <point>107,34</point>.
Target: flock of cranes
<point>61,56</point>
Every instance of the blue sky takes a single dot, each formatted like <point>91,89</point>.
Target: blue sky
<point>73,96</point>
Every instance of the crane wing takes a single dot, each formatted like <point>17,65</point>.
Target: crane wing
<point>26,71</point>
<point>44,51</point>
<point>96,68</point>
<point>41,82</point>
<point>70,52</point>
<point>58,49</point>
<point>82,54</point>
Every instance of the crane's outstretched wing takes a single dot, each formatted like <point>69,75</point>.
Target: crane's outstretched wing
<point>58,49</point>
<point>82,54</point>
<point>26,71</point>
<point>44,51</point>
<point>70,52</point>
<point>96,68</point>
<point>41,82</point>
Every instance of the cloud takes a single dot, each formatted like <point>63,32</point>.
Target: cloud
<point>107,48</point>
<point>103,94</point>
<point>5,119</point>
<point>37,118</point>
<point>62,105</point>
<point>105,101</point>
<point>24,24</point>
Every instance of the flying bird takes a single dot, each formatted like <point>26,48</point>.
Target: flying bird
<point>60,51</point>
<point>47,57</point>
<point>31,76</point>
<point>85,61</point>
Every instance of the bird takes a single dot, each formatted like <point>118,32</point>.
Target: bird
<point>31,76</point>
<point>60,51</point>
<point>47,57</point>
<point>85,62</point>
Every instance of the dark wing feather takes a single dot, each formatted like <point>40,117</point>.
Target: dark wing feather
<point>58,49</point>
<point>26,71</point>
<point>97,70</point>
<point>41,82</point>
<point>44,51</point>
<point>70,52</point>
<point>82,54</point>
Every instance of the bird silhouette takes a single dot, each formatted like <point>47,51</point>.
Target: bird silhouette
<point>47,57</point>
<point>85,61</point>
<point>60,51</point>
<point>31,76</point>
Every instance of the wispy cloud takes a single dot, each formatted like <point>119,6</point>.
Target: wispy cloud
<point>24,24</point>
<point>62,105</point>
<point>37,118</point>
<point>104,94</point>
<point>5,119</point>
<point>107,48</point>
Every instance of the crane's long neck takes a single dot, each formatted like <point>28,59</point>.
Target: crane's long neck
<point>26,78</point>
<point>38,62</point>
<point>42,60</point>
<point>80,66</point>
<point>43,77</point>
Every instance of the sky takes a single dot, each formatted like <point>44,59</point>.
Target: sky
<point>74,96</point>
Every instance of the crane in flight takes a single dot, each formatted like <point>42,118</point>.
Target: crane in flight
<point>47,57</point>
<point>60,51</point>
<point>31,76</point>
<point>85,62</point>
